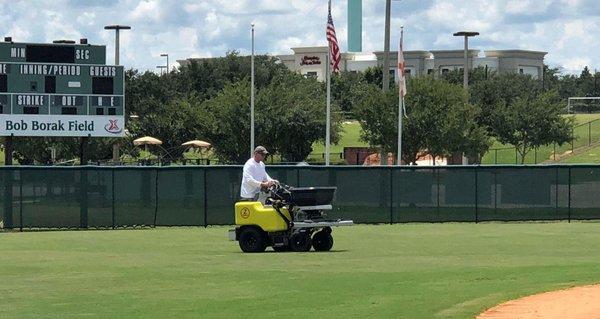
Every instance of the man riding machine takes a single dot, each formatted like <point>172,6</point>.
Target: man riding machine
<point>287,218</point>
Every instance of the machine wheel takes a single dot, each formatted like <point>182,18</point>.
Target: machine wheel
<point>252,240</point>
<point>322,241</point>
<point>300,242</point>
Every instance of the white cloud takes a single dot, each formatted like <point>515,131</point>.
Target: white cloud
<point>185,28</point>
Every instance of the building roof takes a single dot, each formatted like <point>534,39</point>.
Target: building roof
<point>445,54</point>
<point>515,54</point>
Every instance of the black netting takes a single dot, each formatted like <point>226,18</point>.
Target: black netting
<point>51,198</point>
<point>523,193</point>
<point>457,194</point>
<point>181,197</point>
<point>135,196</point>
<point>415,195</point>
<point>363,194</point>
<point>222,191</point>
<point>56,197</point>
<point>585,185</point>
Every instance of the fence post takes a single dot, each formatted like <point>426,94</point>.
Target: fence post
<point>556,194</point>
<point>495,156</point>
<point>590,134</point>
<point>569,194</point>
<point>572,140</point>
<point>391,169</point>
<point>8,197</point>
<point>113,198</point>
<point>437,170</point>
<point>516,156</point>
<point>155,197</point>
<point>83,198</point>
<point>535,155</point>
<point>476,196</point>
<point>20,200</point>
<point>554,154</point>
<point>205,201</point>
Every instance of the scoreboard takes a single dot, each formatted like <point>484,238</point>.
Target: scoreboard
<point>60,90</point>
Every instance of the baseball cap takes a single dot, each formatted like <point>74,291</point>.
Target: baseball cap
<point>261,149</point>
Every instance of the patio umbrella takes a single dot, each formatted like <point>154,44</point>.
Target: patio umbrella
<point>196,143</point>
<point>147,140</point>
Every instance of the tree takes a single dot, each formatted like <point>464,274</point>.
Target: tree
<point>440,120</point>
<point>289,118</point>
<point>476,75</point>
<point>228,122</point>
<point>502,89</point>
<point>343,89</point>
<point>528,123</point>
<point>374,75</point>
<point>173,123</point>
<point>292,116</point>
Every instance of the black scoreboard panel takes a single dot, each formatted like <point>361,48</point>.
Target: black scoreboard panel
<point>50,54</point>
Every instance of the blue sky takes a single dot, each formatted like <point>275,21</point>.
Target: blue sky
<point>566,29</point>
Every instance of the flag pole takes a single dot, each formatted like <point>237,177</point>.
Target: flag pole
<point>400,101</point>
<point>327,125</point>
<point>328,116</point>
<point>400,115</point>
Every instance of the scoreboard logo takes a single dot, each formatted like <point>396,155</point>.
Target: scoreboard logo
<point>113,127</point>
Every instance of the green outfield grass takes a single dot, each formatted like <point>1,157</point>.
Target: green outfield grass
<point>591,155</point>
<point>378,271</point>
<point>505,153</point>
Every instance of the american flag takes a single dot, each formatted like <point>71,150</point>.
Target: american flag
<point>401,66</point>
<point>334,49</point>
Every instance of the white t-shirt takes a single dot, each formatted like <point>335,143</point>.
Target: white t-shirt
<point>254,174</point>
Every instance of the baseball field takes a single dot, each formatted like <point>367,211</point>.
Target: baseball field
<point>374,271</point>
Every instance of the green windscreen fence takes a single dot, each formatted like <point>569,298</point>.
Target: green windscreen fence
<point>111,197</point>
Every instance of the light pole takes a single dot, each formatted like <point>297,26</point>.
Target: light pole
<point>386,46</point>
<point>166,55</point>
<point>466,34</point>
<point>117,28</point>
<point>252,94</point>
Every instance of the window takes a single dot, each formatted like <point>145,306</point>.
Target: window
<point>112,111</point>
<point>429,71</point>
<point>445,71</point>
<point>50,84</point>
<point>392,72</point>
<point>69,111</point>
<point>31,110</point>
<point>99,111</point>
<point>407,72</point>
<point>521,71</point>
<point>1,109</point>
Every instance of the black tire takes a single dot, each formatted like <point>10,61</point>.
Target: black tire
<point>322,241</point>
<point>252,240</point>
<point>300,242</point>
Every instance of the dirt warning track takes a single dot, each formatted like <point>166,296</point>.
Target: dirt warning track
<point>573,303</point>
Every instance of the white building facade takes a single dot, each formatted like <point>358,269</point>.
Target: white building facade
<point>311,61</point>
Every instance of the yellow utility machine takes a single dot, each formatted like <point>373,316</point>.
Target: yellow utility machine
<point>292,219</point>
